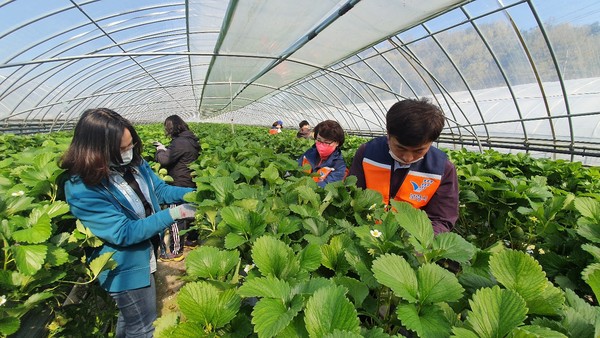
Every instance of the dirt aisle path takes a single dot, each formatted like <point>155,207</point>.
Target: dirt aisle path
<point>168,283</point>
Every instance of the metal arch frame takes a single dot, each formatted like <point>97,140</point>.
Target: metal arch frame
<point>462,77</point>
<point>369,91</point>
<point>405,51</point>
<point>100,35</point>
<point>558,71</point>
<point>94,74</point>
<point>318,79</point>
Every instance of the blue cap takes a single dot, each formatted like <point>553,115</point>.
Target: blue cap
<point>280,123</point>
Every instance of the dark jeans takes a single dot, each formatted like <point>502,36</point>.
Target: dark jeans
<point>137,311</point>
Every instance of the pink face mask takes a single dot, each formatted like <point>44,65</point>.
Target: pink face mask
<point>325,149</point>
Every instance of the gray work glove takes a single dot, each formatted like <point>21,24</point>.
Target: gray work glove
<point>159,146</point>
<point>183,211</point>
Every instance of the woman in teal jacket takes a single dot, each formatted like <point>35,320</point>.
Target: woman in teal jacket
<point>115,193</point>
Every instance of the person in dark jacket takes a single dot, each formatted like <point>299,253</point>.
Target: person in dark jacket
<point>304,130</point>
<point>325,157</point>
<point>405,166</point>
<point>183,150</point>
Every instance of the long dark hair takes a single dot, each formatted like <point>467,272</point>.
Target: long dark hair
<point>96,144</point>
<point>175,125</point>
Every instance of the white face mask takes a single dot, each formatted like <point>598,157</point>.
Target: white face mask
<point>401,162</point>
<point>127,156</point>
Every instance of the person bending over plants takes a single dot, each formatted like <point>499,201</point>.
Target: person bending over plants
<point>176,158</point>
<point>325,156</point>
<point>115,193</point>
<point>404,165</point>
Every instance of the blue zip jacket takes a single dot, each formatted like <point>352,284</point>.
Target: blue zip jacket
<point>108,214</point>
<point>335,161</point>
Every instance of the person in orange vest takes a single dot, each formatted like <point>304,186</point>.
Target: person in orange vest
<point>276,127</point>
<point>325,156</point>
<point>404,165</point>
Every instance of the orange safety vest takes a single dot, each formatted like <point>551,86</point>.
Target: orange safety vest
<point>421,181</point>
<point>323,172</point>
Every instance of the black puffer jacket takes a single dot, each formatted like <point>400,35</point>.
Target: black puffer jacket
<point>183,150</point>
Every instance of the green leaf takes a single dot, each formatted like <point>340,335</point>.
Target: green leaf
<point>356,289</point>
<point>519,272</point>
<point>269,286</point>
<point>9,325</point>
<point>310,257</point>
<point>165,323</point>
<point>36,298</point>
<point>342,334</point>
<point>495,312</point>
<point>39,232</point>
<point>307,194</point>
<point>461,332</point>
<point>223,186</point>
<point>589,230</point>
<point>271,174</point>
<point>394,272</point>
<point>588,207</point>
<point>233,240</point>
<point>582,307</point>
<point>271,316</point>
<point>57,256</point>
<point>236,218</point>
<point>273,257</point>
<point>18,204</point>
<point>29,258</point>
<point>365,199</point>
<point>591,275</point>
<point>248,172</point>
<point>437,284</point>
<point>428,321</point>
<point>548,302</point>
<point>310,286</point>
<point>101,263</point>
<point>186,330</point>
<point>210,262</point>
<point>592,250</point>
<point>416,222</point>
<point>204,304</point>
<point>55,209</point>
<point>333,254</point>
<point>327,310</point>
<point>452,246</point>
<point>534,331</point>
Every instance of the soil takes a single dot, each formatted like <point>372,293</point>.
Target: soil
<point>168,283</point>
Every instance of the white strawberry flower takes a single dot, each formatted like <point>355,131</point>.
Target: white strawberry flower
<point>376,233</point>
<point>248,267</point>
<point>2,300</point>
<point>18,193</point>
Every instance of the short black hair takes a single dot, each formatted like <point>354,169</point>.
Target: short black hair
<point>414,122</point>
<point>303,123</point>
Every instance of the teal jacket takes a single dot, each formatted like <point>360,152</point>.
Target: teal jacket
<point>107,213</point>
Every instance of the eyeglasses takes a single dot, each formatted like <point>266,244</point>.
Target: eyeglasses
<point>327,142</point>
<point>131,146</point>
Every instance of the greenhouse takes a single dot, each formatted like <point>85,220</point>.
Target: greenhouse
<point>279,254</point>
